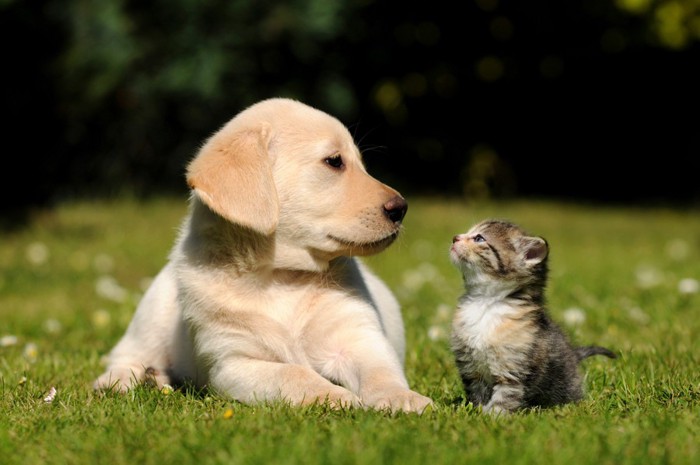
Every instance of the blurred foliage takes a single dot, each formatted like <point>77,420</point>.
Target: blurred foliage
<point>115,96</point>
<point>671,23</point>
<point>163,66</point>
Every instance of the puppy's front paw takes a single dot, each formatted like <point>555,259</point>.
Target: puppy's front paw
<point>337,398</point>
<point>117,380</point>
<point>121,379</point>
<point>399,399</point>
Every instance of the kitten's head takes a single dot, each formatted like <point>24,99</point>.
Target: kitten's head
<point>499,253</point>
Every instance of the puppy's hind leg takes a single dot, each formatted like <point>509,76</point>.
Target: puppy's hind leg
<point>152,346</point>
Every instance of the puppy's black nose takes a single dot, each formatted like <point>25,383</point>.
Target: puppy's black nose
<point>395,209</point>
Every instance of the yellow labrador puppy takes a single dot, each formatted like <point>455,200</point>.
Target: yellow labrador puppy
<point>262,298</point>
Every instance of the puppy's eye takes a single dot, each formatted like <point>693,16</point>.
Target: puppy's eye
<point>479,238</point>
<point>335,161</point>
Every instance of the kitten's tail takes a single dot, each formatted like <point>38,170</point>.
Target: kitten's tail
<point>588,351</point>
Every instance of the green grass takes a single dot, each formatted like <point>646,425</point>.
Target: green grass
<point>619,267</point>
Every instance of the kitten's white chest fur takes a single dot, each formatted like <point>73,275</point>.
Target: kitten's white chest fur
<point>476,320</point>
<point>482,309</point>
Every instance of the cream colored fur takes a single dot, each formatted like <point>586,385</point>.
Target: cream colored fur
<point>262,298</point>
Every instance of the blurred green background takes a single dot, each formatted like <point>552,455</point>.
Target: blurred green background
<point>593,100</point>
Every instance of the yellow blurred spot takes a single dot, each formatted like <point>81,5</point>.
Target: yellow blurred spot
<point>670,24</point>
<point>634,6</point>
<point>414,84</point>
<point>389,99</point>
<point>501,28</point>
<point>487,5</point>
<point>694,26</point>
<point>486,175</point>
<point>101,318</point>
<point>489,68</point>
<point>388,96</point>
<point>166,390</point>
<point>228,413</point>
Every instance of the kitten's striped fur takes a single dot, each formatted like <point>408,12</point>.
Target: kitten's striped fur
<point>509,352</point>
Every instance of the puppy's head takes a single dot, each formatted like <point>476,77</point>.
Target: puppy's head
<point>281,167</point>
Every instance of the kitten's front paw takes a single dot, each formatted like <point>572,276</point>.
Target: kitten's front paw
<point>399,399</point>
<point>495,410</point>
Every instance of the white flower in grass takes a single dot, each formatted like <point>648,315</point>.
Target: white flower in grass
<point>444,312</point>
<point>7,341</point>
<point>688,286</point>
<point>638,315</point>
<point>166,390</point>
<point>50,396</point>
<point>436,333</point>
<point>412,280</point>
<point>52,326</point>
<point>417,277</point>
<point>37,253</point>
<point>574,316</point>
<point>677,249</point>
<point>31,352</point>
<point>101,318</point>
<point>648,276</point>
<point>108,288</point>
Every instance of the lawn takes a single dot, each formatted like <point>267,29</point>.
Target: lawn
<point>627,278</point>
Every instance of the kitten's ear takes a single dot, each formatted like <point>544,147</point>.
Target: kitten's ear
<point>536,249</point>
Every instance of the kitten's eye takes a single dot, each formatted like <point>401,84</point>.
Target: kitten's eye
<point>335,161</point>
<point>479,238</point>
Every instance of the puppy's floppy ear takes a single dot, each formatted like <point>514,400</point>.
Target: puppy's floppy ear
<point>232,175</point>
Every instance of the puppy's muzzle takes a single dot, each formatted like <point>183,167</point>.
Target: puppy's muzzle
<point>395,209</point>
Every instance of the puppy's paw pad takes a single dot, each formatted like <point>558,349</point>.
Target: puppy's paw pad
<point>119,380</point>
<point>403,400</point>
<point>337,399</point>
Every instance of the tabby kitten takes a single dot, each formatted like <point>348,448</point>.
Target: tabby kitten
<point>509,353</point>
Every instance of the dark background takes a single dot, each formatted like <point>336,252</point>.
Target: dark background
<point>594,100</point>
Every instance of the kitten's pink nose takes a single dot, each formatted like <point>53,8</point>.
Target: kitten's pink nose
<point>455,238</point>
